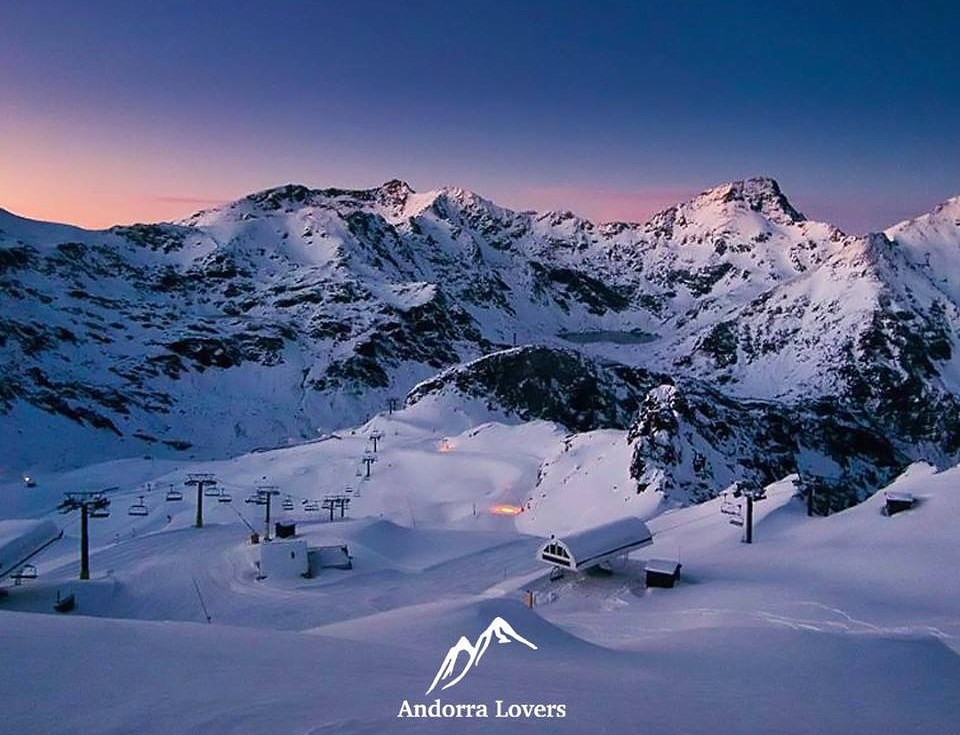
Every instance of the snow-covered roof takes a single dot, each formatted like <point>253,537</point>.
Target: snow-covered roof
<point>899,497</point>
<point>592,545</point>
<point>662,566</point>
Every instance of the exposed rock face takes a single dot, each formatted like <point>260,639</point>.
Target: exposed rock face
<point>688,442</point>
<point>691,443</point>
<point>550,384</point>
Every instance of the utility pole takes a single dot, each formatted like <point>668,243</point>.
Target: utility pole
<point>90,504</point>
<point>391,405</point>
<point>201,482</point>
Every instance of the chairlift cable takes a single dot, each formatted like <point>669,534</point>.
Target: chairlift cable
<point>706,514</point>
<point>203,604</point>
<point>245,521</point>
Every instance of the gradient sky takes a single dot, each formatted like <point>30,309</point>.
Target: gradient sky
<point>113,112</point>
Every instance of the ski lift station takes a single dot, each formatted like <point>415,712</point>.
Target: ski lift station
<point>598,545</point>
<point>290,558</point>
<point>286,559</point>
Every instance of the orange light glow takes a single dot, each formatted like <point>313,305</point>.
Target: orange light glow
<point>506,510</point>
<point>445,446</point>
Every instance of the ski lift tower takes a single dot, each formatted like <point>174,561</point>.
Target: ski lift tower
<point>375,437</point>
<point>368,459</point>
<point>752,493</point>
<point>202,481</point>
<point>264,495</point>
<point>332,502</point>
<point>742,514</point>
<point>90,505</point>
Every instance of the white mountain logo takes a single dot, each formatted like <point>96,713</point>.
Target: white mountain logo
<point>498,627</point>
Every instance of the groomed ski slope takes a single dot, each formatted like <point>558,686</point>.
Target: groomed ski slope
<point>846,624</point>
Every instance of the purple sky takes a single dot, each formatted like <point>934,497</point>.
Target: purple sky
<point>114,111</point>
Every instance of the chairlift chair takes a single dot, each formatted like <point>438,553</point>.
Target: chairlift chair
<point>312,507</point>
<point>288,504</point>
<point>99,513</point>
<point>138,508</point>
<point>211,491</point>
<point>224,497</point>
<point>728,507</point>
<point>27,571</point>
<point>174,495</point>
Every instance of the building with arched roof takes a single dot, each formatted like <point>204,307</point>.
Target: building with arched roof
<point>592,546</point>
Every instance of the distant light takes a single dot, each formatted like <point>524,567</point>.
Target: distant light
<point>506,510</point>
<point>445,446</point>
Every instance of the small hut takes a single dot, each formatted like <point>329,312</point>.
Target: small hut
<point>662,572</point>
<point>896,502</point>
<point>284,559</point>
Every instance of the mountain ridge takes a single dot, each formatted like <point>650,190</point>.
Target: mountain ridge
<point>296,310</point>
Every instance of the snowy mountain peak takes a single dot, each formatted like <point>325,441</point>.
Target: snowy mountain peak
<point>394,194</point>
<point>949,208</point>
<point>945,216</point>
<point>397,186</point>
<point>279,196</point>
<point>759,194</point>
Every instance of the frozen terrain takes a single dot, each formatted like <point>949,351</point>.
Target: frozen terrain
<point>844,624</point>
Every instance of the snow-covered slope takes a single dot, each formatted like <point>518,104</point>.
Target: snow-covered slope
<point>842,610</point>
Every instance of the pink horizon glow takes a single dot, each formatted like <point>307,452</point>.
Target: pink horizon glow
<point>63,195</point>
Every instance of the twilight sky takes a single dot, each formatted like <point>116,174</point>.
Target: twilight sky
<point>112,112</point>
